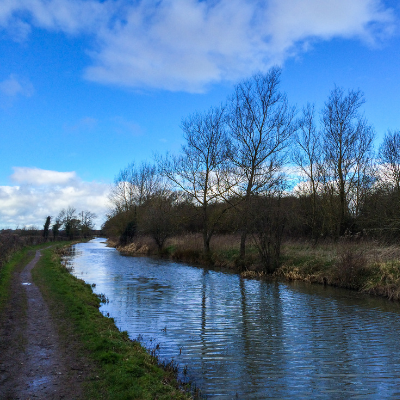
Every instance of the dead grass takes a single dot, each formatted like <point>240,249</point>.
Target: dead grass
<point>252,274</point>
<point>189,241</point>
<point>366,266</point>
<point>384,279</point>
<point>369,266</point>
<point>140,247</point>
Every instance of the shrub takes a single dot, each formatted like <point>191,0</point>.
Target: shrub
<point>350,270</point>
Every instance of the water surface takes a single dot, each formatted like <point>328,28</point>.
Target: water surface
<point>250,339</point>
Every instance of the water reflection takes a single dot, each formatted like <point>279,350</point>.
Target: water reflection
<point>250,339</point>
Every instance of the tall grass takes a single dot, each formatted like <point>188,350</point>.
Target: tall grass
<point>11,243</point>
<point>367,266</point>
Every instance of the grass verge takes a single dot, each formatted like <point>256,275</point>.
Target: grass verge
<point>16,264</point>
<point>122,368</point>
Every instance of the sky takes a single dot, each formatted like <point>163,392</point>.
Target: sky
<point>90,86</point>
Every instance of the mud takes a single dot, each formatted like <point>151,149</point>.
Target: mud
<point>34,362</point>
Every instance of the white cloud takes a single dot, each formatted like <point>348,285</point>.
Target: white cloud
<point>190,44</point>
<point>187,44</point>
<point>13,86</point>
<point>37,176</point>
<point>70,16</point>
<point>40,193</point>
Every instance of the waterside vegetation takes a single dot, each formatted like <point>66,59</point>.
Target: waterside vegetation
<point>122,368</point>
<point>13,261</point>
<point>368,266</point>
<point>275,183</point>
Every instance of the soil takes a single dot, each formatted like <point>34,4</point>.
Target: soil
<point>36,362</point>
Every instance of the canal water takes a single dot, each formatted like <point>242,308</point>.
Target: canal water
<point>249,339</point>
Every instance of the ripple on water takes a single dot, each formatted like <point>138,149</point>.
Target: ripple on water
<point>250,339</point>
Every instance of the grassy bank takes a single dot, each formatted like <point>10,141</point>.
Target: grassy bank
<point>16,263</point>
<point>189,248</point>
<point>122,369</point>
<point>366,266</point>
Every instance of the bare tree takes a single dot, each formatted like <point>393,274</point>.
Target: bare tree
<point>307,155</point>
<point>69,220</point>
<point>159,217</point>
<point>261,124</point>
<point>202,170</point>
<point>86,222</point>
<point>121,194</point>
<point>267,229</point>
<point>389,158</point>
<point>133,186</point>
<point>347,146</point>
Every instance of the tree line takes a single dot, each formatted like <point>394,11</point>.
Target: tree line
<point>68,225</point>
<point>258,167</point>
<point>71,223</point>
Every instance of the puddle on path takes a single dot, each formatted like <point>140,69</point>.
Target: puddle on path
<point>40,382</point>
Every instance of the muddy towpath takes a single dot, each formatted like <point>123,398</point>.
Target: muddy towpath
<point>34,362</point>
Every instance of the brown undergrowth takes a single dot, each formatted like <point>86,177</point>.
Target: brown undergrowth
<point>366,266</point>
<point>11,243</point>
<point>189,248</point>
<point>369,266</point>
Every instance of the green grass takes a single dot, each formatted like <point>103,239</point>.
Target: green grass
<point>122,368</point>
<point>16,264</point>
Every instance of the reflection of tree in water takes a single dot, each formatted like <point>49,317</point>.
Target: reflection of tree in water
<point>259,339</point>
<point>203,319</point>
<point>261,307</point>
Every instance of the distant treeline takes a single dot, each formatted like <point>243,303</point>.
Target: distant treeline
<point>11,242</point>
<point>258,167</point>
<point>68,225</point>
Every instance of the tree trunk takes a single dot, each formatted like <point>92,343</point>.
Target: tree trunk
<point>243,243</point>
<point>206,243</point>
<point>245,217</point>
<point>206,236</point>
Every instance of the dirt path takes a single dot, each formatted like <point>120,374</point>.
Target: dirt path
<point>34,364</point>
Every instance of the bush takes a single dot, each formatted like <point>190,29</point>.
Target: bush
<point>10,243</point>
<point>350,270</point>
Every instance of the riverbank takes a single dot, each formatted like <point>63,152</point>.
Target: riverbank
<point>32,362</point>
<point>100,361</point>
<point>366,266</point>
<point>14,265</point>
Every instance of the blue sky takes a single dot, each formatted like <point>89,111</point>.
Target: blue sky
<point>88,86</point>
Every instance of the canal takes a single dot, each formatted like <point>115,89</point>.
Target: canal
<point>249,339</point>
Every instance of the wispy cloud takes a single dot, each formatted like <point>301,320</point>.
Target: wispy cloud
<point>84,124</point>
<point>14,86</point>
<point>70,16</point>
<point>123,126</point>
<point>37,176</point>
<point>190,44</point>
<point>40,193</point>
